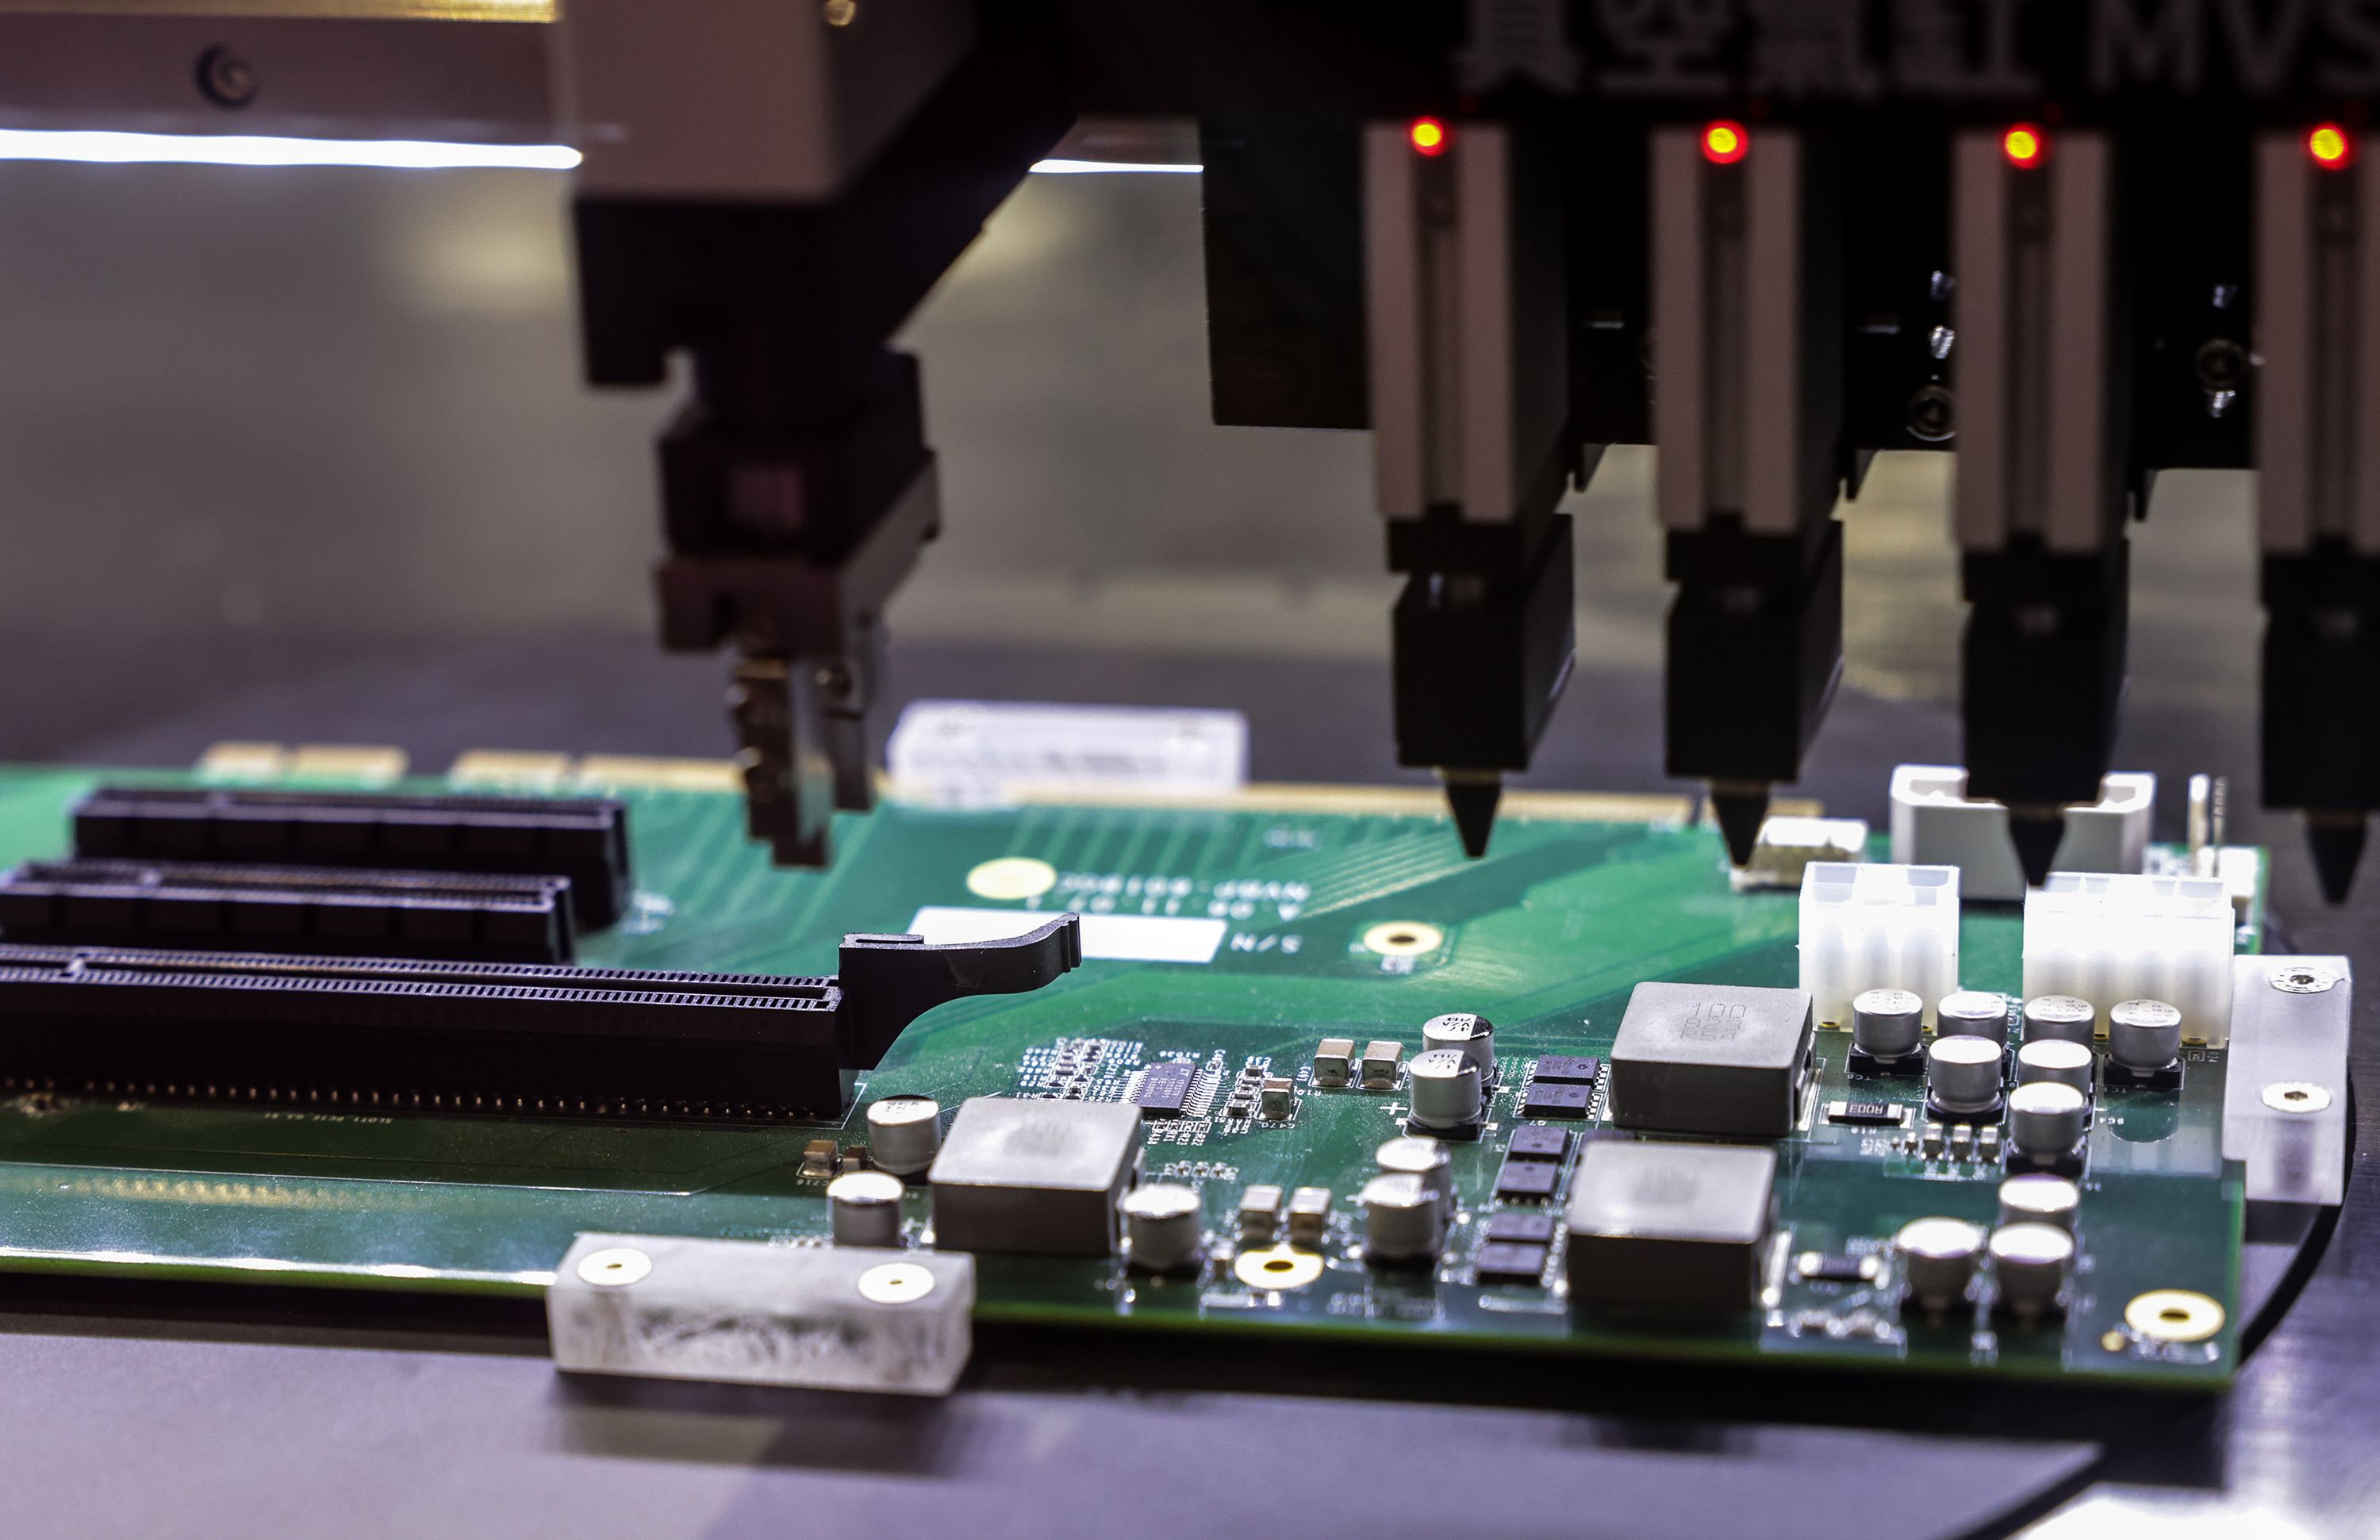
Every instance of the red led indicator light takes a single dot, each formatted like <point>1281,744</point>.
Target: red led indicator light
<point>2331,146</point>
<point>1725,143</point>
<point>1429,136</point>
<point>2025,146</point>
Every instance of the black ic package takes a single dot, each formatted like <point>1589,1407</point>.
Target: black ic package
<point>1517,1229</point>
<point>1557,1100</point>
<point>1511,1261</point>
<point>1571,1069</point>
<point>1165,1087</point>
<point>1538,1143</point>
<point>1527,1181</point>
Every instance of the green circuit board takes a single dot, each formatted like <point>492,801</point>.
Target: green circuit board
<point>1300,916</point>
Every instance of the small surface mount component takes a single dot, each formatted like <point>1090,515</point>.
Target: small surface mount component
<point>1163,1088</point>
<point>1334,1062</point>
<point>316,910</point>
<point>1878,926</point>
<point>1260,1213</point>
<point>1032,1177</point>
<point>1538,1143</point>
<point>1711,1058</point>
<point>1669,1227</point>
<point>1161,1221</point>
<point>1556,1099</point>
<point>1869,1114</point>
<point>1815,1267</point>
<point>1527,1181</point>
<point>1567,1069</point>
<point>1381,1058</point>
<point>1522,1228</point>
<point>1309,1215</point>
<point>584,839</point>
<point>1276,1098</point>
<point>1511,1261</point>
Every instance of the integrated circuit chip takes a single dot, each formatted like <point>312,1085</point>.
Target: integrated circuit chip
<point>1669,1227</point>
<point>1542,1100</point>
<point>1576,1068</point>
<point>1508,1262</point>
<point>1538,1143</point>
<point>1033,1177</point>
<point>1712,1059</point>
<point>1165,1087</point>
<point>1536,1230</point>
<point>1527,1181</point>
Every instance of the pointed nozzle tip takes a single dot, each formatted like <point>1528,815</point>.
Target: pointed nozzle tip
<point>2036,832</point>
<point>1472,798</point>
<point>2337,842</point>
<point>1741,810</point>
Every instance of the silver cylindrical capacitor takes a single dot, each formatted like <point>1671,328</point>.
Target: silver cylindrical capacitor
<point>2047,1118</point>
<point>1474,1035</point>
<point>2039,1197</point>
<point>2144,1034</point>
<point>1403,1222</point>
<point>1164,1221</point>
<point>1962,1072</point>
<point>905,1132</point>
<point>1938,1260</point>
<point>1972,1013</point>
<point>2030,1265</point>
<point>1418,1156</point>
<point>865,1209</point>
<point>1445,1087</point>
<point>1888,1024</point>
<point>2064,1017</point>
<point>2055,1058</point>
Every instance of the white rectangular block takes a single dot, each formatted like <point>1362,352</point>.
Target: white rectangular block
<point>2285,1077</point>
<point>2107,939</point>
<point>1935,823</point>
<point>1878,926</point>
<point>816,1317</point>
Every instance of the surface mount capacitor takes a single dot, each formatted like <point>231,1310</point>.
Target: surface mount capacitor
<point>1974,1013</point>
<point>2030,1265</point>
<point>865,1209</point>
<point>1404,1220</point>
<point>2047,1118</point>
<point>2062,1017</point>
<point>1938,1260</point>
<point>905,1132</point>
<point>1888,1024</point>
<point>1417,1156</point>
<point>2059,1059</point>
<point>2039,1197</point>
<point>1962,1074</point>
<point>1446,1088</point>
<point>1162,1221</point>
<point>1474,1036</point>
<point>2144,1034</point>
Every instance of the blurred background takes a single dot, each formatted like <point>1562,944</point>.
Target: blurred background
<point>304,453</point>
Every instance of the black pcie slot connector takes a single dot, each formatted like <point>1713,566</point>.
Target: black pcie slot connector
<point>510,1040</point>
<point>584,839</point>
<point>482,918</point>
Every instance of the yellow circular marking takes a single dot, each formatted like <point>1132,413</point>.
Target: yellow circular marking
<point>2174,1316</point>
<point>1278,1268</point>
<point>1403,939</point>
<point>1012,876</point>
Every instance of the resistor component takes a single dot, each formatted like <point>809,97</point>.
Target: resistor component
<point>1403,1222</point>
<point>1417,1156</point>
<point>1888,1024</point>
<point>905,1132</point>
<point>2030,1266</point>
<point>2047,1118</point>
<point>1474,1035</point>
<point>2059,1059</point>
<point>1938,1260</point>
<point>1962,1072</point>
<point>2063,1017</point>
<point>2039,1197</point>
<point>2144,1034</point>
<point>1446,1088</point>
<point>1972,1013</point>
<point>865,1209</point>
<point>1162,1221</point>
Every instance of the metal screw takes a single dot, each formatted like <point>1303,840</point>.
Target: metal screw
<point>1940,341</point>
<point>225,79</point>
<point>614,1267</point>
<point>1934,415</point>
<point>2222,364</point>
<point>2304,978</point>
<point>2296,1096</point>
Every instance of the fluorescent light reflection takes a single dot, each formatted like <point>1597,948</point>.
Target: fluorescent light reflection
<point>119,149</point>
<point>1093,168</point>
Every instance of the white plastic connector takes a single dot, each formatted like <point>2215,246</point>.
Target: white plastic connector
<point>2106,939</point>
<point>1878,928</point>
<point>1935,823</point>
<point>1787,846</point>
